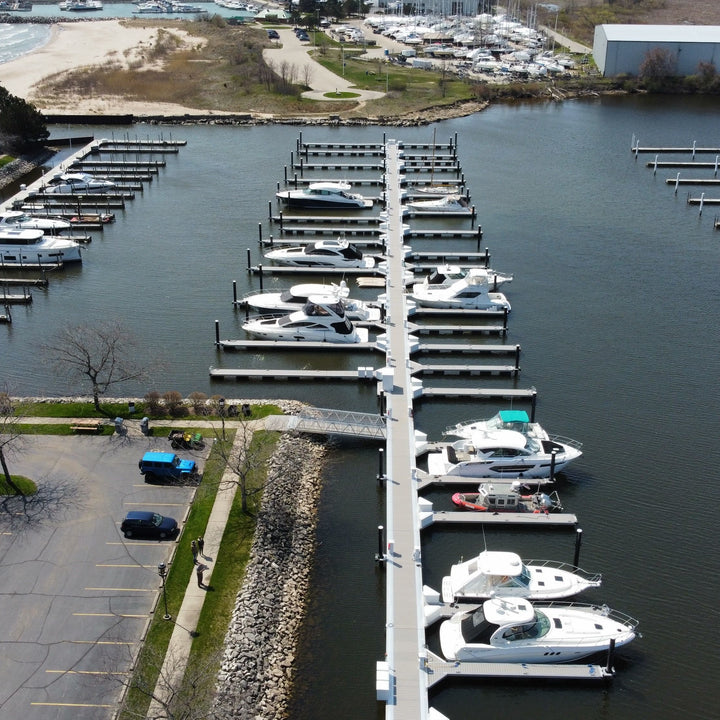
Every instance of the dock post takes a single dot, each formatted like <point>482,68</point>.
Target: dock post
<point>248,258</point>
<point>247,312</point>
<point>473,216</point>
<point>379,555</point>
<point>693,149</point>
<point>300,142</point>
<point>552,465</point>
<point>260,275</point>
<point>610,656</point>
<point>716,166</point>
<point>578,542</point>
<point>534,398</point>
<point>280,215</point>
<point>455,142</point>
<point>292,158</point>
<point>259,233</point>
<point>302,168</point>
<point>505,319</point>
<point>295,181</point>
<point>285,175</point>
<point>271,241</point>
<point>269,209</point>
<point>381,465</point>
<point>487,257</point>
<point>655,165</point>
<point>702,200</point>
<point>495,283</point>
<point>234,292</point>
<point>517,362</point>
<point>677,182</point>
<point>217,333</point>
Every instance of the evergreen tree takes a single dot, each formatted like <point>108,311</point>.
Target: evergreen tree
<point>21,124</point>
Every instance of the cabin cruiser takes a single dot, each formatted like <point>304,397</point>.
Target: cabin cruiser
<point>322,319</point>
<point>513,630</point>
<point>511,496</point>
<point>79,183</point>
<point>27,247</point>
<point>517,420</point>
<point>499,574</point>
<point>325,196</point>
<point>21,220</point>
<point>471,292</point>
<point>446,275</point>
<point>503,453</point>
<point>293,299</point>
<point>323,253</point>
<point>453,204</point>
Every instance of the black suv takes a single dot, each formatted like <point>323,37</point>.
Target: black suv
<point>148,524</point>
<point>273,35</point>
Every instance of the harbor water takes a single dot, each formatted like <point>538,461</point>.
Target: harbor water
<point>615,305</point>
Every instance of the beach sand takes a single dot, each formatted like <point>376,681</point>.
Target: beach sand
<point>75,45</point>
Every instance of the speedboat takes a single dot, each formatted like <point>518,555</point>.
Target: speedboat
<point>293,299</point>
<point>517,420</point>
<point>325,196</point>
<point>503,453</point>
<point>471,292</point>
<point>513,630</point>
<point>452,204</point>
<point>498,496</point>
<point>80,5</point>
<point>323,253</point>
<point>79,183</point>
<point>446,275</point>
<point>26,247</point>
<point>322,319</point>
<point>501,574</point>
<point>18,219</point>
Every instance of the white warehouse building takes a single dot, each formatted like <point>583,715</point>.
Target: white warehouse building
<point>621,49</point>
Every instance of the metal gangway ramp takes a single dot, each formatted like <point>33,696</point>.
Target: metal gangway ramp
<point>401,679</point>
<point>322,421</point>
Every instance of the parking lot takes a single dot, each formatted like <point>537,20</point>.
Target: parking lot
<point>76,595</point>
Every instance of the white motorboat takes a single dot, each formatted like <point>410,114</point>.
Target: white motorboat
<point>448,204</point>
<point>471,292</point>
<point>325,196</point>
<point>517,420</point>
<point>446,275</point>
<point>500,574</point>
<point>514,630</point>
<point>79,183</point>
<point>18,219</point>
<point>80,5</point>
<point>293,299</point>
<point>322,319</point>
<point>436,190</point>
<point>323,253</point>
<point>27,247</point>
<point>503,453</point>
<point>512,496</point>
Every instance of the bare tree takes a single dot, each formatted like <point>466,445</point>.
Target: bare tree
<point>101,354</point>
<point>657,65</point>
<point>10,436</point>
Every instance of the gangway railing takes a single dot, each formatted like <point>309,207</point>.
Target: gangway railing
<point>340,422</point>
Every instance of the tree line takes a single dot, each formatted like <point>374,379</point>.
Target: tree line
<point>22,126</point>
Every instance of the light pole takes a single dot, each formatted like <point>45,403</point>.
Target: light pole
<point>162,572</point>
<point>221,403</point>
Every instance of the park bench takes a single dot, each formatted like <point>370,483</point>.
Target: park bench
<point>87,426</point>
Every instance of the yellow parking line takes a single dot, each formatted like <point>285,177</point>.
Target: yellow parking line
<point>111,589</point>
<point>86,672</point>
<point>52,704</point>
<point>122,615</point>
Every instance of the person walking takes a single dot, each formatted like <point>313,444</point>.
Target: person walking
<point>201,546</point>
<point>199,572</point>
<point>194,548</point>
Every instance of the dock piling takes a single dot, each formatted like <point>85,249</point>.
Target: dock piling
<point>655,165</point>
<point>249,264</point>
<point>578,543</point>
<point>260,275</point>
<point>517,368</point>
<point>610,657</point>
<point>260,233</point>
<point>269,209</point>
<point>552,465</point>
<point>381,465</point>
<point>234,292</point>
<point>380,555</point>
<point>677,182</point>
<point>217,333</point>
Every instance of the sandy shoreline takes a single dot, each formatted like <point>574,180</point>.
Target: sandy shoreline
<point>75,45</point>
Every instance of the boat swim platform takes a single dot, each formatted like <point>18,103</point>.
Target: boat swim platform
<point>533,519</point>
<point>438,669</point>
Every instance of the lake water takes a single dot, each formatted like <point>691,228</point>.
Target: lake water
<point>615,304</point>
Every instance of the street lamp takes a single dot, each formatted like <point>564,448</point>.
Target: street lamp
<point>221,403</point>
<point>162,572</point>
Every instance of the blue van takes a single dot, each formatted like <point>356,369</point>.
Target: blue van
<point>164,465</point>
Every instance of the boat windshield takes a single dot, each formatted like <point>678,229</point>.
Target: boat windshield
<point>351,252</point>
<point>475,628</point>
<point>529,631</point>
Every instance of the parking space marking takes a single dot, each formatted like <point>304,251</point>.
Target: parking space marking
<point>88,672</point>
<point>58,704</point>
<point>129,565</point>
<point>116,589</point>
<point>122,615</point>
<point>155,504</point>
<point>103,642</point>
<point>134,544</point>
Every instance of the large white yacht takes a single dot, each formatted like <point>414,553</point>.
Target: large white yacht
<point>27,247</point>
<point>517,420</point>
<point>79,182</point>
<point>322,319</point>
<point>19,220</point>
<point>471,292</point>
<point>495,573</point>
<point>325,196</point>
<point>337,253</point>
<point>513,630</point>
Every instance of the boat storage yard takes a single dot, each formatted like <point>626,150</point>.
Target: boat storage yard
<point>382,257</point>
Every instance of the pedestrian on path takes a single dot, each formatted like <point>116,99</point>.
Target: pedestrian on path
<point>194,548</point>
<point>201,546</point>
<point>199,572</point>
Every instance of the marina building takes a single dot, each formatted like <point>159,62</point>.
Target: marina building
<point>621,49</point>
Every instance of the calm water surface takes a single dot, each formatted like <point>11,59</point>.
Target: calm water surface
<point>616,307</point>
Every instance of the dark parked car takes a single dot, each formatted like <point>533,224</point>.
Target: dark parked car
<point>148,524</point>
<point>273,34</point>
